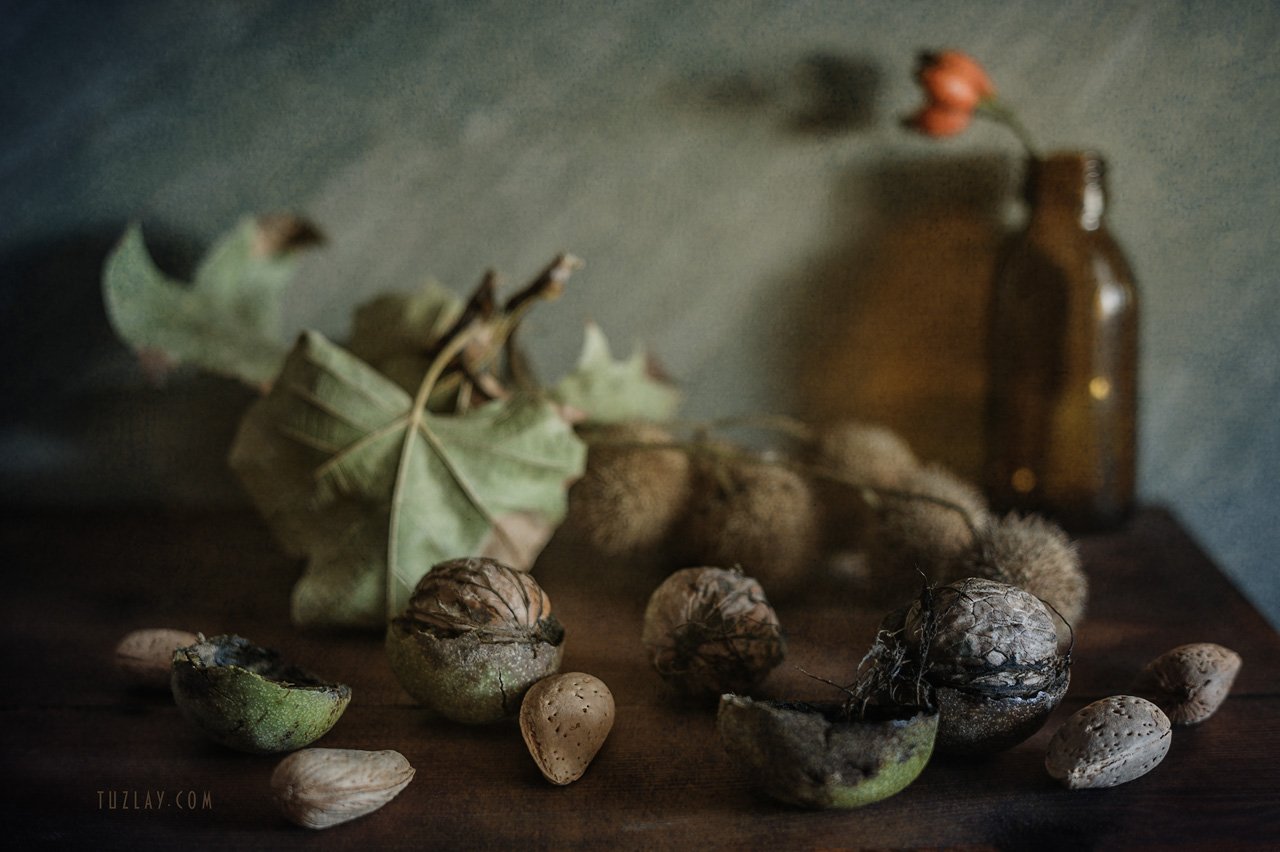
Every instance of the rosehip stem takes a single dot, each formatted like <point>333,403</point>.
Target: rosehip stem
<point>996,110</point>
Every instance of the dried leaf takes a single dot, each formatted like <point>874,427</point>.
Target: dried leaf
<point>356,475</point>
<point>394,332</point>
<point>612,391</point>
<point>227,321</point>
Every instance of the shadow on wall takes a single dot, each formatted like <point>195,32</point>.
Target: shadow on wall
<point>889,326</point>
<point>823,94</point>
<point>79,425</point>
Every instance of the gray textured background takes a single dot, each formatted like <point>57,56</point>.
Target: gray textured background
<point>732,172</point>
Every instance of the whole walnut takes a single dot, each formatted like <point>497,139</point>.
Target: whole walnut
<point>475,636</point>
<point>991,653</point>
<point>710,631</point>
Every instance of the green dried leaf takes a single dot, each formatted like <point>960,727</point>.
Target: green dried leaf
<point>356,475</point>
<point>393,332</point>
<point>227,321</point>
<point>613,391</point>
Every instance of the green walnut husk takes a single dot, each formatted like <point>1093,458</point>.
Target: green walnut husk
<point>817,755</point>
<point>475,636</point>
<point>244,697</point>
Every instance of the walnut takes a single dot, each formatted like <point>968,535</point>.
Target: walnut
<point>990,652</point>
<point>475,636</point>
<point>479,594</point>
<point>711,630</point>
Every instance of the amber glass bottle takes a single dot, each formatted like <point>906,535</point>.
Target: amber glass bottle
<point>1063,353</point>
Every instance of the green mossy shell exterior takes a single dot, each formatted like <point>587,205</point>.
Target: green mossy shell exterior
<point>466,679</point>
<point>247,712</point>
<point>799,756</point>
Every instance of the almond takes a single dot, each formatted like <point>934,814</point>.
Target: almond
<point>1190,682</point>
<point>564,720</point>
<point>1109,742</point>
<point>145,657</point>
<point>321,787</point>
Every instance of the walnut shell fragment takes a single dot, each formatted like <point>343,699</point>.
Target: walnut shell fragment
<point>564,720</point>
<point>1109,742</point>
<point>1190,682</point>
<point>816,756</point>
<point>322,787</point>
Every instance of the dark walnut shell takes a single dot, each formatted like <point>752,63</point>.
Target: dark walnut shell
<point>710,631</point>
<point>991,653</point>
<point>814,756</point>
<point>475,636</point>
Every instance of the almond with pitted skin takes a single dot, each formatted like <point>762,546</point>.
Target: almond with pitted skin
<point>144,657</point>
<point>564,720</point>
<point>1191,681</point>
<point>322,787</point>
<point>1109,742</point>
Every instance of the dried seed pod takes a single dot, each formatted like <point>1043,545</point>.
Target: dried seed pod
<point>145,657</point>
<point>564,720</point>
<point>631,495</point>
<point>1191,681</point>
<point>244,696</point>
<point>817,756</point>
<point>927,532</point>
<point>991,653</point>
<point>476,635</point>
<point>865,453</point>
<point>861,453</point>
<point>323,787</point>
<point>1109,742</point>
<point>710,631</point>
<point>757,515</point>
<point>1034,555</point>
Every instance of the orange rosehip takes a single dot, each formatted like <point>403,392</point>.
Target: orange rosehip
<point>940,120</point>
<point>953,78</point>
<point>961,66</point>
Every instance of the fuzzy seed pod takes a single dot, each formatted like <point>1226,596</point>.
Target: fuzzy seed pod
<point>865,453</point>
<point>630,496</point>
<point>1034,555</point>
<point>710,631</point>
<point>759,516</point>
<point>918,533</point>
<point>862,454</point>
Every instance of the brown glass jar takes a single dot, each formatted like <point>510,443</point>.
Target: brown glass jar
<point>1062,344</point>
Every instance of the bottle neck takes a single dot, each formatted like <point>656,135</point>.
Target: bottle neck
<point>1068,184</point>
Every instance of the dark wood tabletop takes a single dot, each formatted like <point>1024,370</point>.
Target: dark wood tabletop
<point>82,750</point>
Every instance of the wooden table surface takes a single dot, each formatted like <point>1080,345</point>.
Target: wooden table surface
<point>76,740</point>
